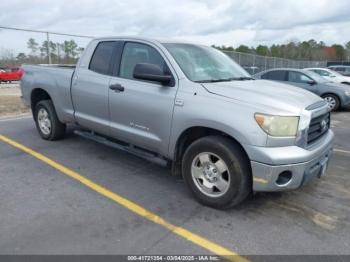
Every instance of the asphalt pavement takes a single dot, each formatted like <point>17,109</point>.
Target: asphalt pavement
<point>45,212</point>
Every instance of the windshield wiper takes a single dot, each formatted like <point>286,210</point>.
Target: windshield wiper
<point>213,80</point>
<point>242,78</point>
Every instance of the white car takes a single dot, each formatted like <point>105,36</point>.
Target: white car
<point>331,75</point>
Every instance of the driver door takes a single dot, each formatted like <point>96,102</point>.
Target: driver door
<point>141,111</point>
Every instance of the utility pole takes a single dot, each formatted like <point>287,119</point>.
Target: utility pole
<point>58,52</point>
<point>48,47</point>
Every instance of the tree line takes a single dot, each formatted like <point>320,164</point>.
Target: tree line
<point>305,50</point>
<point>66,52</point>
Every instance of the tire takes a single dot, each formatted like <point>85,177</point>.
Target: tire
<point>333,101</point>
<point>47,123</point>
<point>237,177</point>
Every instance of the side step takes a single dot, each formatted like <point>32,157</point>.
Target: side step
<point>127,148</point>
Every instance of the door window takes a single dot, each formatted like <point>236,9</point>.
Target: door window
<point>278,75</point>
<point>340,69</point>
<point>322,72</point>
<point>297,77</point>
<point>101,59</point>
<point>135,53</point>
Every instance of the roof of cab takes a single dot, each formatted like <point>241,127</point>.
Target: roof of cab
<point>148,39</point>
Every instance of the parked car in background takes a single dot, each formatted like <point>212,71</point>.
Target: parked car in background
<point>336,95</point>
<point>341,69</point>
<point>11,74</point>
<point>331,75</point>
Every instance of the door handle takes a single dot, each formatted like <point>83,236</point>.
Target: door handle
<point>117,88</point>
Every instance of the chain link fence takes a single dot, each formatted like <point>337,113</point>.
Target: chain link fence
<point>256,63</point>
<point>25,46</point>
<point>58,48</point>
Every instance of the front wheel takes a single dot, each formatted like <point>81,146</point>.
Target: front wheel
<point>217,172</point>
<point>333,101</point>
<point>47,123</point>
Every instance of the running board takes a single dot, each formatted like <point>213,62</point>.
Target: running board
<point>127,148</point>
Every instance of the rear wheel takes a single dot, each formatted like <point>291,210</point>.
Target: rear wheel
<point>217,172</point>
<point>333,101</point>
<point>47,123</point>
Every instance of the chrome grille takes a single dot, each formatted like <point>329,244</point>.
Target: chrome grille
<point>318,127</point>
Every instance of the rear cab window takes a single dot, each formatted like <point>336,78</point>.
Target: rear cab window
<point>102,58</point>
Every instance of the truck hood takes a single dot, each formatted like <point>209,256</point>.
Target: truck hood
<point>268,95</point>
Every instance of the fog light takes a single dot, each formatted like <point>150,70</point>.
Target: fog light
<point>284,178</point>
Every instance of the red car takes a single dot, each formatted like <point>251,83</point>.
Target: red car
<point>11,74</point>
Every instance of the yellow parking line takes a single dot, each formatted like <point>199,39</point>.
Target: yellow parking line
<point>133,207</point>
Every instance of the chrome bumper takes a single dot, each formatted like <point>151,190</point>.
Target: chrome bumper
<point>265,175</point>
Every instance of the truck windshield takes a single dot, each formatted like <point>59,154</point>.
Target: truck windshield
<point>205,64</point>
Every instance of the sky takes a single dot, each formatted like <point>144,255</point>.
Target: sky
<point>220,22</point>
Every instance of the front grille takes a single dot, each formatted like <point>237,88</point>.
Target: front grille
<point>318,127</point>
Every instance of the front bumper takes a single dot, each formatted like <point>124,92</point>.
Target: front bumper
<point>302,165</point>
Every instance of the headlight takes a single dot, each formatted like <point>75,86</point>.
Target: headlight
<point>347,93</point>
<point>278,125</point>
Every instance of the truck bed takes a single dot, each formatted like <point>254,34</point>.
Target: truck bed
<point>56,79</point>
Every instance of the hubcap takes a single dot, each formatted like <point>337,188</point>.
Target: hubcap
<point>210,174</point>
<point>331,102</point>
<point>44,121</point>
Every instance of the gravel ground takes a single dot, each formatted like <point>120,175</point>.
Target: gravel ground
<point>10,101</point>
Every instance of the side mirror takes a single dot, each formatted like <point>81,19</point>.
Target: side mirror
<point>311,82</point>
<point>151,72</point>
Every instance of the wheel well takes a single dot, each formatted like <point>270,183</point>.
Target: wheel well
<point>37,96</point>
<point>189,136</point>
<point>332,95</point>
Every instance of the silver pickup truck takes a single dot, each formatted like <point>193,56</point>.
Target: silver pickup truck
<point>188,106</point>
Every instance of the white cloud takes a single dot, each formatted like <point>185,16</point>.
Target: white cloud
<point>222,22</point>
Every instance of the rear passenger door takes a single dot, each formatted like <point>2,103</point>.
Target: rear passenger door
<point>142,112</point>
<point>90,89</point>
